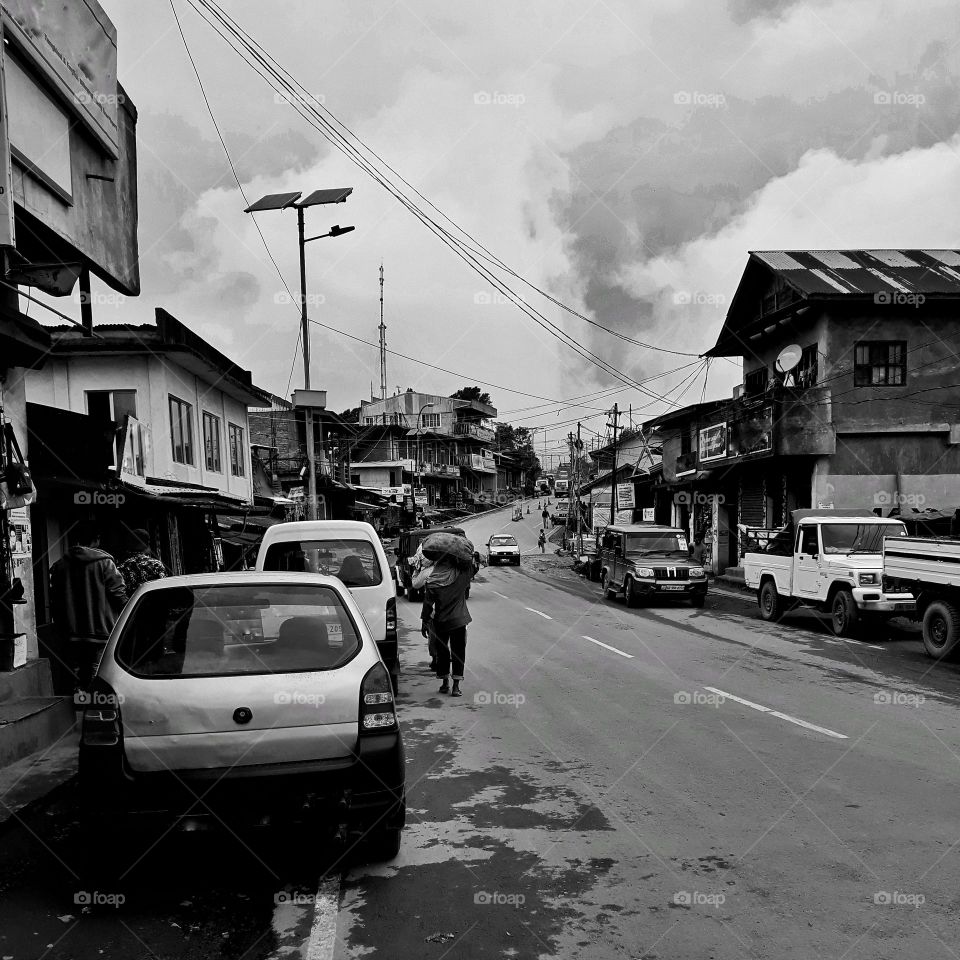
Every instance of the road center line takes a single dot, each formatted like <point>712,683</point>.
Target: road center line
<point>323,932</point>
<point>538,613</point>
<point>777,713</point>
<point>499,594</point>
<point>606,646</point>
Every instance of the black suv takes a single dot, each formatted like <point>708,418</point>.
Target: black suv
<point>646,561</point>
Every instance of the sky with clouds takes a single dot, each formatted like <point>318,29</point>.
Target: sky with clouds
<point>622,156</point>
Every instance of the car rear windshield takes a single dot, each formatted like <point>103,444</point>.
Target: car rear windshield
<point>354,562</point>
<point>232,630</point>
<point>858,537</point>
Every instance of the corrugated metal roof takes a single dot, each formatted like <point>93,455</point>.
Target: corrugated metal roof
<point>832,273</point>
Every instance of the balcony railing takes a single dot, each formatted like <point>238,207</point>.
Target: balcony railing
<point>466,429</point>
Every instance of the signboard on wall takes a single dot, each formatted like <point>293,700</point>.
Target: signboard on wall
<point>74,46</point>
<point>625,496</point>
<point>752,432</point>
<point>648,515</point>
<point>712,443</point>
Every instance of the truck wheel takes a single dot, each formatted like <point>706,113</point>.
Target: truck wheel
<point>844,616</point>
<point>630,597</point>
<point>941,629</point>
<point>771,607</point>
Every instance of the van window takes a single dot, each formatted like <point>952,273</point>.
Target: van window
<point>355,562</point>
<point>234,630</point>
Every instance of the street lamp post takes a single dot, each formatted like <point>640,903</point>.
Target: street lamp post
<point>281,201</point>
<point>426,406</point>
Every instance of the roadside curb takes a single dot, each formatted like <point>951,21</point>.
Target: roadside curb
<point>35,781</point>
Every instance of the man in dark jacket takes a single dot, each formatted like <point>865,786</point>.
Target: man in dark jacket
<point>87,595</point>
<point>445,608</point>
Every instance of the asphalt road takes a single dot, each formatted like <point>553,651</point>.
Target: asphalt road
<point>655,783</point>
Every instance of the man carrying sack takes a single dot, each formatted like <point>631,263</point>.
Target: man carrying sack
<point>445,605</point>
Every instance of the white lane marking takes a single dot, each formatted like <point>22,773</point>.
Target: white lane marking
<point>860,643</point>
<point>606,646</point>
<point>499,594</point>
<point>323,932</point>
<point>777,713</point>
<point>538,613</point>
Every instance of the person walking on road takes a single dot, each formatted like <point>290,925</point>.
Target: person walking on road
<point>141,566</point>
<point>445,614</point>
<point>546,516</point>
<point>542,542</point>
<point>87,594</point>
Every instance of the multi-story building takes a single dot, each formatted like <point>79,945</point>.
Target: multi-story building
<point>437,447</point>
<point>849,389</point>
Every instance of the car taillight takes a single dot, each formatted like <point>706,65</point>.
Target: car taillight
<point>101,716</point>
<point>377,713</point>
<point>392,618</point>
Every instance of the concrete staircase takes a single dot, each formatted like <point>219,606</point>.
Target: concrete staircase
<point>31,718</point>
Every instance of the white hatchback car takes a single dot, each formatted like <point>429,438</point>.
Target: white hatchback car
<point>241,698</point>
<point>503,548</point>
<point>353,552</point>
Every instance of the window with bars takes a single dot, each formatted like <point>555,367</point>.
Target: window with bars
<point>807,368</point>
<point>181,430</point>
<point>237,458</point>
<point>211,442</point>
<point>755,381</point>
<point>431,420</point>
<point>880,363</point>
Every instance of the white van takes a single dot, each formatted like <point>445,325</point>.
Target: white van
<point>351,551</point>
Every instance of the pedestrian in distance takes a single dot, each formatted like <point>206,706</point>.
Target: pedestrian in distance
<point>546,516</point>
<point>141,566</point>
<point>87,594</point>
<point>445,613</point>
<point>542,542</point>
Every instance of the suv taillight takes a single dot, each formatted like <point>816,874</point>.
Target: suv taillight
<point>377,713</point>
<point>101,716</point>
<point>392,618</point>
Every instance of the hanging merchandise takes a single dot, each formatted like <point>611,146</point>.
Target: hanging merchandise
<point>16,482</point>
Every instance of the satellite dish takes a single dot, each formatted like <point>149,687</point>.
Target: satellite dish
<point>788,358</point>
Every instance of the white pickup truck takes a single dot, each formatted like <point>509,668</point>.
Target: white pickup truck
<point>930,569</point>
<point>831,560</point>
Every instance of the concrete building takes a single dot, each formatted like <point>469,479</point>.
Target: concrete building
<point>437,447</point>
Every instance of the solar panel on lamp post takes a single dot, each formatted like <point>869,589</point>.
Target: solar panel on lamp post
<point>283,201</point>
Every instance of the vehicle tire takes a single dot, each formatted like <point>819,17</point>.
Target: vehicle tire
<point>385,845</point>
<point>771,606</point>
<point>395,679</point>
<point>630,597</point>
<point>698,600</point>
<point>941,629</point>
<point>844,616</point>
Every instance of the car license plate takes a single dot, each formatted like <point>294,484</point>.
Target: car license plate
<point>903,606</point>
<point>673,586</point>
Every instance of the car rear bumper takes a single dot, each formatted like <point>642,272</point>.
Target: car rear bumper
<point>367,786</point>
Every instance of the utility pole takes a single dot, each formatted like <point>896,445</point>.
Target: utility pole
<point>383,344</point>
<point>579,450</point>
<point>613,474</point>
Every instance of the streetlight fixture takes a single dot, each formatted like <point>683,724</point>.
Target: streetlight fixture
<point>426,406</point>
<point>282,201</point>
